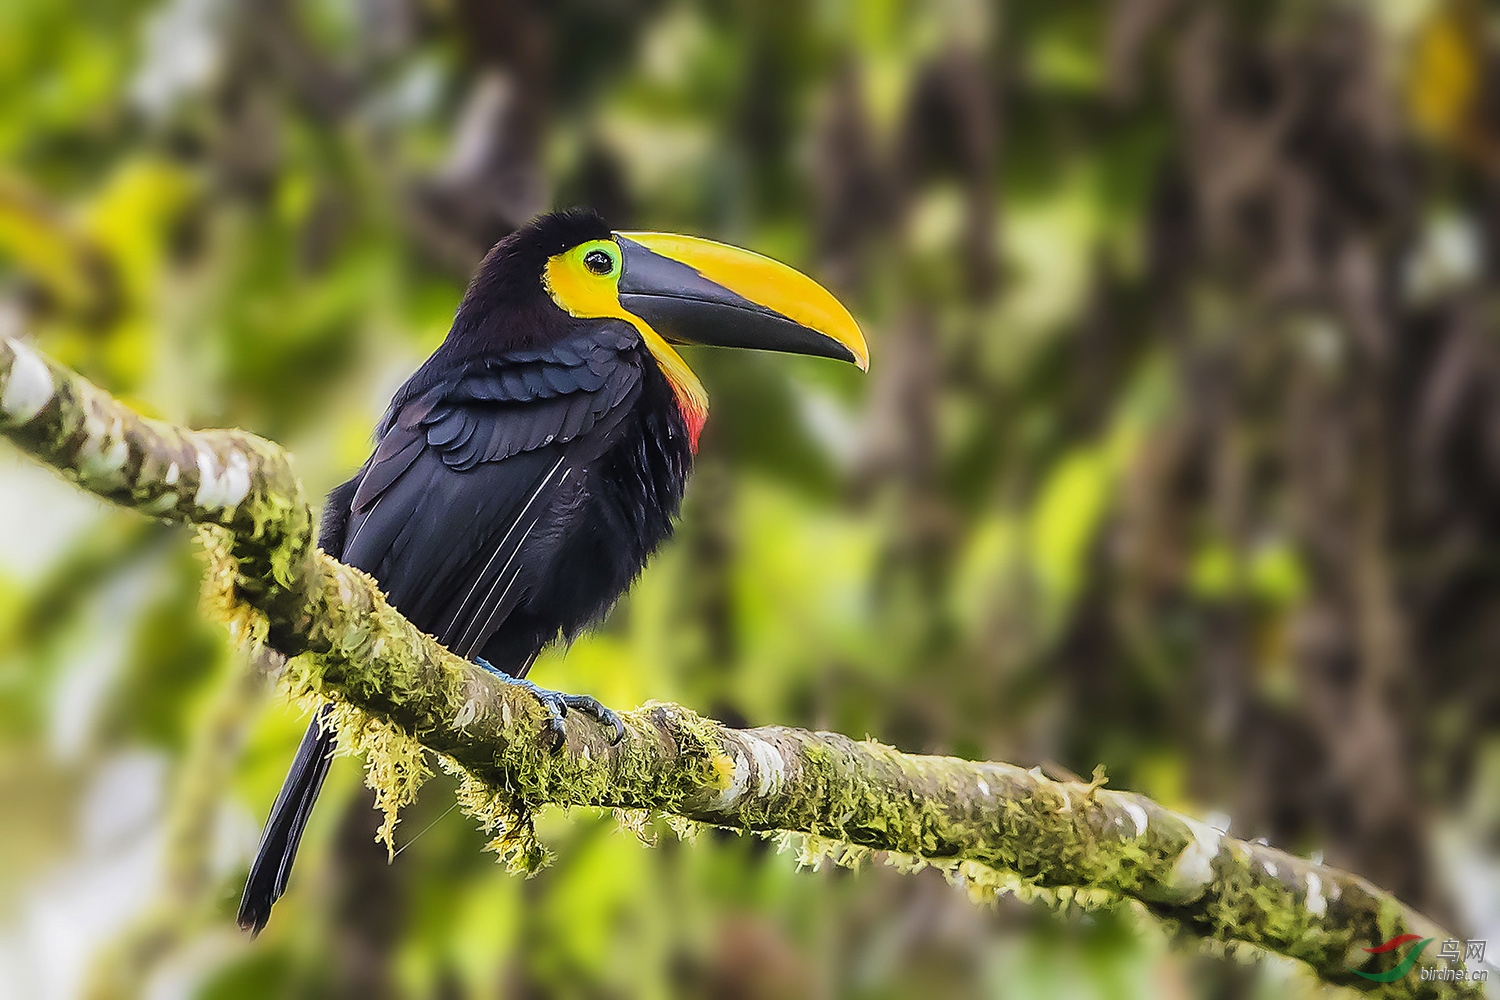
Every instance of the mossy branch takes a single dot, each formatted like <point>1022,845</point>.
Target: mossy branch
<point>994,825</point>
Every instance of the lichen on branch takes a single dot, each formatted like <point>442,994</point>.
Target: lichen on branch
<point>996,826</point>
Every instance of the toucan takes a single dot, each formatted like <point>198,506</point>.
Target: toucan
<point>524,474</point>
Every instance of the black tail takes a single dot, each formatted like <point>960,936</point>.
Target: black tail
<point>278,842</point>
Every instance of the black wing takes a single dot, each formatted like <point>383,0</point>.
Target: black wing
<point>473,482</point>
<point>332,527</point>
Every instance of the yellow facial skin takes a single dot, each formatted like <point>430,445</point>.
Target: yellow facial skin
<point>573,280</point>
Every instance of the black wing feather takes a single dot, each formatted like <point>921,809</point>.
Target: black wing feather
<point>472,484</point>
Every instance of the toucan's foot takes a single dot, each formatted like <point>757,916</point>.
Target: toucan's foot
<point>557,705</point>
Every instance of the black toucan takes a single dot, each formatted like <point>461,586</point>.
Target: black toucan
<point>522,477</point>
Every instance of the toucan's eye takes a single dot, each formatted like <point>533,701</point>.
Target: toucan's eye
<point>599,262</point>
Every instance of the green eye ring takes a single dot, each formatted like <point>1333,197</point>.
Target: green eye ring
<point>599,261</point>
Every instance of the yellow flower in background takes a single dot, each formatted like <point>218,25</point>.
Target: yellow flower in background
<point>1444,81</point>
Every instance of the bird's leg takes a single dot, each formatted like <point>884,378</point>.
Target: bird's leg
<point>557,705</point>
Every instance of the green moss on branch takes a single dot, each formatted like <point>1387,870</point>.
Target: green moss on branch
<point>997,826</point>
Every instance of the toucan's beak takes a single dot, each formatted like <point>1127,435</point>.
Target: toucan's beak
<point>695,291</point>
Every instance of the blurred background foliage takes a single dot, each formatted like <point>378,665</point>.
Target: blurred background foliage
<point>1180,454</point>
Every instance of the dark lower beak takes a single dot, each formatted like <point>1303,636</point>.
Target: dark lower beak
<point>695,291</point>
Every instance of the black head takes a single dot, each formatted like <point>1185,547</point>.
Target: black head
<point>506,302</point>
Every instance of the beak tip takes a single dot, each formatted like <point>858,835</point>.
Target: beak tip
<point>859,352</point>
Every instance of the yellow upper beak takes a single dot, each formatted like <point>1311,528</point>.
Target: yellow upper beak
<point>697,291</point>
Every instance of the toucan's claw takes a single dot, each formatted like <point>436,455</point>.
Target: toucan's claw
<point>557,705</point>
<point>606,717</point>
